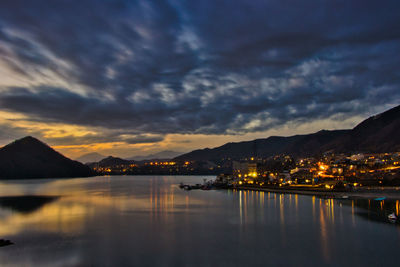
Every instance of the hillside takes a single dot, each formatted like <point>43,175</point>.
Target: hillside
<point>298,145</point>
<point>90,157</point>
<point>30,158</point>
<point>110,161</point>
<point>166,154</point>
<point>380,133</point>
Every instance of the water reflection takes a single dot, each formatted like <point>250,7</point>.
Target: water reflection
<point>374,210</point>
<point>324,233</point>
<point>294,214</point>
<point>71,212</point>
<point>25,204</point>
<point>150,221</point>
<point>327,207</point>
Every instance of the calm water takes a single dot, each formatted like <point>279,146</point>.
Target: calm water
<point>149,221</point>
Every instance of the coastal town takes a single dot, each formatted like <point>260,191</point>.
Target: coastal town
<point>199,133</point>
<point>329,171</point>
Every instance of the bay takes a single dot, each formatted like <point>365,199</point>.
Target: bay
<point>150,221</point>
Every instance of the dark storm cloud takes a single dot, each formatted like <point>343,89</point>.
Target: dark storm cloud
<point>208,67</point>
<point>142,139</point>
<point>9,132</point>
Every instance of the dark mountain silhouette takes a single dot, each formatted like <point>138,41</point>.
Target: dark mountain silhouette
<point>90,157</point>
<point>166,154</point>
<point>110,161</point>
<point>380,133</point>
<point>30,158</point>
<point>297,145</point>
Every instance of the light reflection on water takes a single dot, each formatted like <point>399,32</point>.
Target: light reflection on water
<point>148,220</point>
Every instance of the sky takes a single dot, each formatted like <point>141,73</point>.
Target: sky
<point>133,77</point>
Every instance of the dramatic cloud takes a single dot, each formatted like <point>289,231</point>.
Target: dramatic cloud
<point>136,71</point>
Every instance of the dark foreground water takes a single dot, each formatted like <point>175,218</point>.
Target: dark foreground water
<point>149,221</point>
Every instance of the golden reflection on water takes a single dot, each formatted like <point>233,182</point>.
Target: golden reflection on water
<point>324,233</point>
<point>245,194</point>
<point>313,207</point>
<point>326,214</point>
<point>162,202</point>
<point>330,209</point>
<point>241,206</point>
<point>64,217</point>
<point>281,209</point>
<point>282,218</point>
<point>76,205</point>
<point>262,198</point>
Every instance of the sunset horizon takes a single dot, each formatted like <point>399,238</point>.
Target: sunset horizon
<point>199,133</point>
<point>133,78</point>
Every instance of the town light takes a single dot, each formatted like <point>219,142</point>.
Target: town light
<point>253,174</point>
<point>323,167</point>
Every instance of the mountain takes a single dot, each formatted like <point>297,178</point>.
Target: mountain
<point>297,145</point>
<point>90,157</point>
<point>380,133</point>
<point>30,158</point>
<point>110,161</point>
<point>166,154</point>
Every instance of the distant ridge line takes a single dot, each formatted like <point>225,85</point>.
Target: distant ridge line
<point>379,133</point>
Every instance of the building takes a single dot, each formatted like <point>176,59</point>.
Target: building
<point>244,169</point>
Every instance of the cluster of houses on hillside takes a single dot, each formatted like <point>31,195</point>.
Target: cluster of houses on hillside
<point>328,170</point>
<point>281,170</point>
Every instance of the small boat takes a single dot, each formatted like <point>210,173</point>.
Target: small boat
<point>380,198</point>
<point>392,217</point>
<point>345,197</point>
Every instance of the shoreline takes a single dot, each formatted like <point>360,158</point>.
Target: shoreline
<point>388,193</point>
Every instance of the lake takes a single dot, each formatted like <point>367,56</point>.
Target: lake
<point>149,221</point>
